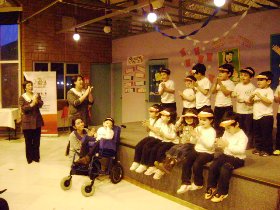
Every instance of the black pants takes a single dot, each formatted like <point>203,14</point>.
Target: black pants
<point>200,109</point>
<point>157,152</point>
<point>147,149</point>
<point>263,134</point>
<point>139,148</point>
<point>220,172</point>
<point>277,140</point>
<point>195,162</point>
<point>32,144</point>
<point>246,124</point>
<point>218,115</point>
<point>89,150</point>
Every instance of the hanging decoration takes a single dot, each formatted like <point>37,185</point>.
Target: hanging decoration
<point>190,34</point>
<point>196,41</point>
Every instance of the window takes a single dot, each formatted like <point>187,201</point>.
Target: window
<point>64,73</point>
<point>9,66</point>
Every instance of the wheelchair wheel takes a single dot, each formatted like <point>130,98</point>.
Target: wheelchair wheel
<point>116,173</point>
<point>66,183</point>
<point>88,189</point>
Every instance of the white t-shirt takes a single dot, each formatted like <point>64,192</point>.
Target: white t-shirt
<point>205,141</point>
<point>187,93</point>
<point>201,99</point>
<point>259,108</point>
<point>222,100</point>
<point>237,144</point>
<point>169,131</point>
<point>156,124</point>
<point>167,97</point>
<point>276,95</point>
<point>104,133</point>
<point>242,93</point>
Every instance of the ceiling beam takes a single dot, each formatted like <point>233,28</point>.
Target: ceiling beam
<point>110,15</point>
<point>10,9</point>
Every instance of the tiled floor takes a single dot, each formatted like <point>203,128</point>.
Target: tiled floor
<point>37,186</point>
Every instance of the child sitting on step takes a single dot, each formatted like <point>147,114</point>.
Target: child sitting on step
<point>151,125</point>
<point>233,142</point>
<point>185,126</point>
<point>203,153</point>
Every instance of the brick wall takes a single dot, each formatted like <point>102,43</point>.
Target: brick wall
<point>40,42</point>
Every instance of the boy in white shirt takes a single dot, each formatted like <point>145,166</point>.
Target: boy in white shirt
<point>223,88</point>
<point>244,108</point>
<point>233,142</point>
<point>188,95</point>
<point>166,90</point>
<point>262,98</point>
<point>202,87</point>
<point>277,140</point>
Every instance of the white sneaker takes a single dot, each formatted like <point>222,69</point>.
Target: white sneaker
<point>151,170</point>
<point>184,188</point>
<point>134,166</point>
<point>158,174</point>
<point>195,187</point>
<point>141,169</point>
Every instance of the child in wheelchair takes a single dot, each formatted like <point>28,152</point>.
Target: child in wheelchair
<point>90,145</point>
<point>95,146</point>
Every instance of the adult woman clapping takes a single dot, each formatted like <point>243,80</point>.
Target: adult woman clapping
<point>79,100</point>
<point>32,121</point>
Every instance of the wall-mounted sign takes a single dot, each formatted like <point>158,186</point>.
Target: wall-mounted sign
<point>135,60</point>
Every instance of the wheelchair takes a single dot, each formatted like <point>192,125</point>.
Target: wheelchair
<point>107,150</point>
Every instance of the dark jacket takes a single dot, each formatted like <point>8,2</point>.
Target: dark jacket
<point>78,109</point>
<point>31,117</point>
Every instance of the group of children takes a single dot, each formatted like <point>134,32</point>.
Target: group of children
<point>199,132</point>
<point>254,106</point>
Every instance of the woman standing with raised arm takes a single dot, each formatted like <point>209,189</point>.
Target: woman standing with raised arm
<point>79,100</point>
<point>32,121</point>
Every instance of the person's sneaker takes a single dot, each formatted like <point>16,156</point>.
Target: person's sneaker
<point>134,166</point>
<point>183,188</point>
<point>195,187</point>
<point>151,170</point>
<point>276,152</point>
<point>209,194</point>
<point>264,154</point>
<point>158,174</point>
<point>256,152</point>
<point>218,198</point>
<point>141,169</point>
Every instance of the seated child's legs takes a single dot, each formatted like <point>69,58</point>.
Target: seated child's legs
<point>201,160</point>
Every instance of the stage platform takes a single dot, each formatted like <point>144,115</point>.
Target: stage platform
<point>253,187</point>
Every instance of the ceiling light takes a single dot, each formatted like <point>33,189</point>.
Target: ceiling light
<point>152,17</point>
<point>76,36</point>
<point>107,29</point>
<point>219,3</point>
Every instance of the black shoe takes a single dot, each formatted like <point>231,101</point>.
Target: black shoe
<point>37,160</point>
<point>2,191</point>
<point>256,152</point>
<point>264,154</point>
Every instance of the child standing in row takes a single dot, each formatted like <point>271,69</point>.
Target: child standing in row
<point>202,153</point>
<point>262,98</point>
<point>188,95</point>
<point>166,90</point>
<point>244,109</point>
<point>223,88</point>
<point>202,87</point>
<point>234,143</point>
<point>176,154</point>
<point>151,124</point>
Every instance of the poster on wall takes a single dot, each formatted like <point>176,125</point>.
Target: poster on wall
<point>231,56</point>
<point>45,84</point>
<point>275,58</point>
